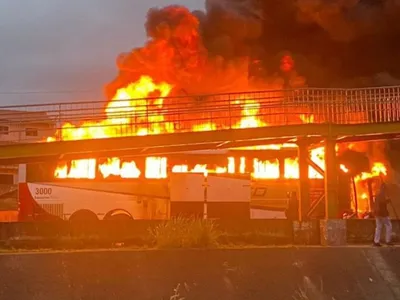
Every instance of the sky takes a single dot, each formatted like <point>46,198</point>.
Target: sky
<point>64,51</point>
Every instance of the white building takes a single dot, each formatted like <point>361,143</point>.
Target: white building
<point>22,126</point>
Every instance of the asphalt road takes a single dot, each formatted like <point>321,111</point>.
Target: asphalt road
<point>265,273</point>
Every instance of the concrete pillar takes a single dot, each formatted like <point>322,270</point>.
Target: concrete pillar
<point>21,173</point>
<point>304,181</point>
<point>332,229</point>
<point>331,180</point>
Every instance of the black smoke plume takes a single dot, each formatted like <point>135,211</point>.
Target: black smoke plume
<point>346,43</point>
<point>234,44</point>
<point>215,50</point>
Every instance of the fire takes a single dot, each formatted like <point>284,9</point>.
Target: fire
<point>292,168</point>
<point>344,168</point>
<point>114,167</point>
<point>175,55</point>
<point>156,167</point>
<point>83,168</point>
<point>231,165</point>
<point>265,169</point>
<point>307,118</point>
<point>250,111</point>
<point>378,169</point>
<point>130,105</point>
<point>138,109</point>
<point>242,166</point>
<point>180,169</point>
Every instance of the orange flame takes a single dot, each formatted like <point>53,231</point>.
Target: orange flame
<point>156,167</point>
<point>378,169</point>
<point>344,168</point>
<point>132,105</point>
<point>113,167</point>
<point>141,103</point>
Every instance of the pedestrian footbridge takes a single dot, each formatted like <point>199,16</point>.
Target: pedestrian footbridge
<point>176,124</point>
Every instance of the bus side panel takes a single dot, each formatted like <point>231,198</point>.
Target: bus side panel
<point>232,210</point>
<point>42,199</point>
<point>187,195</point>
<point>25,203</point>
<point>29,209</point>
<point>148,188</point>
<point>228,197</point>
<point>186,209</point>
<point>269,198</point>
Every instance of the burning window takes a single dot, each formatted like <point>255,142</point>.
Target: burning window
<point>266,169</point>
<point>114,167</point>
<point>156,167</point>
<point>242,166</point>
<point>82,168</point>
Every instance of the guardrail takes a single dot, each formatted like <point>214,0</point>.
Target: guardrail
<point>198,113</point>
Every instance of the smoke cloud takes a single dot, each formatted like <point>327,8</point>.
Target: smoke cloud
<point>235,45</point>
<point>238,44</point>
<point>344,43</point>
<point>216,50</point>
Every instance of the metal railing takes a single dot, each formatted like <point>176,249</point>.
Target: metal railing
<point>198,113</point>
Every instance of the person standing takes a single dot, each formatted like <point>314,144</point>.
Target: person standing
<point>382,216</point>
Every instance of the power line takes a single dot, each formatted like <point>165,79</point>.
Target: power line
<point>47,92</point>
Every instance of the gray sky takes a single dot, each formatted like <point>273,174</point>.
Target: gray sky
<point>58,45</point>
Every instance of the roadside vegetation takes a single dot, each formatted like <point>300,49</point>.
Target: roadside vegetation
<point>176,233</point>
<point>185,233</point>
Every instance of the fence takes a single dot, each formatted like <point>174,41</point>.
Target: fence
<point>101,119</point>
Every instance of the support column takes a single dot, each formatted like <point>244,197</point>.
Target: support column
<point>304,181</point>
<point>304,229</point>
<point>331,180</point>
<point>333,228</point>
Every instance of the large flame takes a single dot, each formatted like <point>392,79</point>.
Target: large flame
<point>130,105</point>
<point>141,104</point>
<point>138,109</point>
<point>176,54</point>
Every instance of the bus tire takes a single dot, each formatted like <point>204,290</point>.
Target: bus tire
<point>118,215</point>
<point>83,216</point>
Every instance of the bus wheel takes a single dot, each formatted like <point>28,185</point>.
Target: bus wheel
<point>83,222</point>
<point>83,216</point>
<point>118,215</point>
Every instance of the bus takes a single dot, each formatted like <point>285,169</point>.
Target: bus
<point>181,194</point>
<point>41,196</point>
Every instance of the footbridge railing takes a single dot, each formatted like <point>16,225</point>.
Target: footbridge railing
<point>153,115</point>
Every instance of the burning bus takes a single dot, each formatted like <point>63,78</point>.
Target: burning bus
<point>214,184</point>
<point>150,96</point>
<point>238,183</point>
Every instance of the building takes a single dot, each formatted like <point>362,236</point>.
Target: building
<point>25,126</point>
<point>19,127</point>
